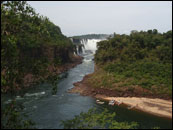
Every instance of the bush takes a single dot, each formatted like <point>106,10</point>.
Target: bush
<point>97,120</point>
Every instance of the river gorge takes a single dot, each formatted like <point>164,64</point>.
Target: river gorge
<point>48,110</point>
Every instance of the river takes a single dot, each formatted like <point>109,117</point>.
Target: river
<point>48,110</point>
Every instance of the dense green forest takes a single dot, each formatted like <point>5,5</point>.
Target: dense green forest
<point>139,63</point>
<point>30,43</point>
<point>31,48</point>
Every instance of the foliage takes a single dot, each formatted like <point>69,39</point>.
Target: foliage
<point>94,119</point>
<point>145,74</point>
<point>136,46</point>
<point>29,44</point>
<point>140,59</point>
<point>11,118</point>
<point>92,36</point>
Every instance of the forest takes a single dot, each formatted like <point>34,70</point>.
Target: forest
<point>32,50</point>
<point>30,45</point>
<point>92,36</point>
<point>139,63</point>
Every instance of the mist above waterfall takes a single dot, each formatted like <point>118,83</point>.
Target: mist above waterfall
<point>89,45</point>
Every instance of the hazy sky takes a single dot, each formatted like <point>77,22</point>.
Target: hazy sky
<point>77,17</point>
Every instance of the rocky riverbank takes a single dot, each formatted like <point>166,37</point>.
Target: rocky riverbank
<point>30,80</point>
<point>55,70</point>
<point>152,105</point>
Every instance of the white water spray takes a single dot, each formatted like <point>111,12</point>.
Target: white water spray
<point>90,45</point>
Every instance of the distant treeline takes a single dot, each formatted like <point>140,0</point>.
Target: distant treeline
<point>137,46</point>
<point>92,36</point>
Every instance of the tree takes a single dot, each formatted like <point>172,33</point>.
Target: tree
<point>97,120</point>
<point>155,31</point>
<point>29,44</point>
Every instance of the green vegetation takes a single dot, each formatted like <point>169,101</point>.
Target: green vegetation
<point>11,118</point>
<point>139,60</point>
<point>92,36</point>
<point>145,74</point>
<point>30,43</point>
<point>97,120</point>
<point>100,119</point>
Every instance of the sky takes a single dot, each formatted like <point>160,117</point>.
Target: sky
<point>106,17</point>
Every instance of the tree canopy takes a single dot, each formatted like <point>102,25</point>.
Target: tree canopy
<point>141,60</point>
<point>29,44</point>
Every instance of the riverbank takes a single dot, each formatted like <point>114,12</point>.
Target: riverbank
<point>54,70</point>
<point>152,105</point>
<point>31,80</point>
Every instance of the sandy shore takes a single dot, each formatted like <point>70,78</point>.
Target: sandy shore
<point>155,106</point>
<point>152,105</point>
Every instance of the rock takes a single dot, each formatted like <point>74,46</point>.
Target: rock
<point>125,95</point>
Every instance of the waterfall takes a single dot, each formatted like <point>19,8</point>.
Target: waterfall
<point>89,45</point>
<point>85,46</point>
